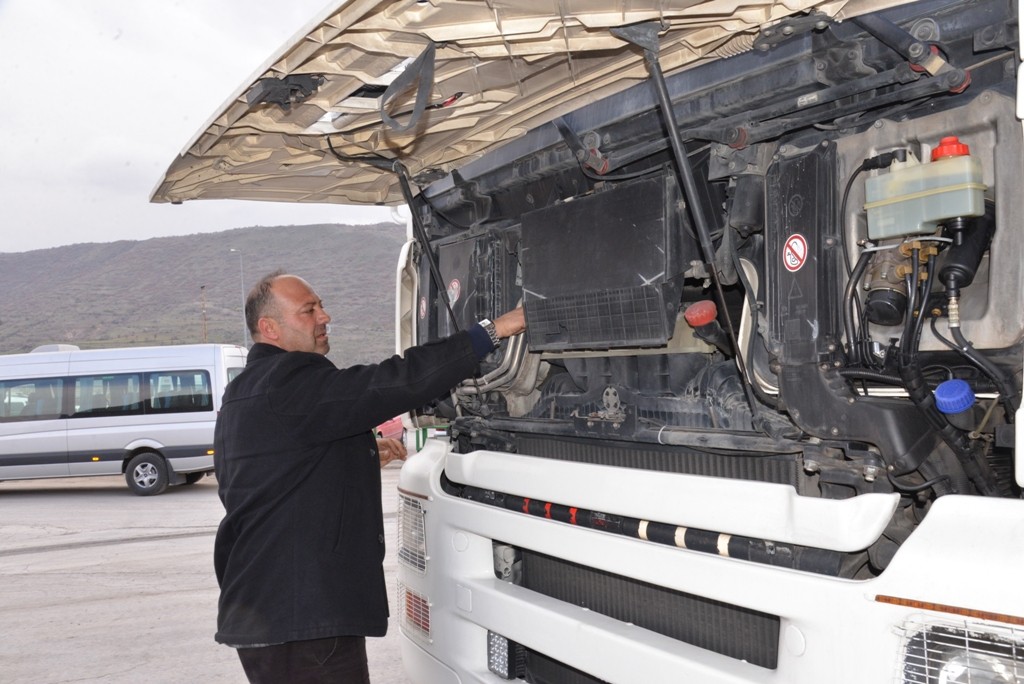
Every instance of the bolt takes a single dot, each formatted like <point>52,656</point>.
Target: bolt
<point>834,431</point>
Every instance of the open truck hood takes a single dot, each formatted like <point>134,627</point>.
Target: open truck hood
<point>499,69</point>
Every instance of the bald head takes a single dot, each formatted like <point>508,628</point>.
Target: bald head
<point>285,311</point>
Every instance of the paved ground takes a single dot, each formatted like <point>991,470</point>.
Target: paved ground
<point>99,585</point>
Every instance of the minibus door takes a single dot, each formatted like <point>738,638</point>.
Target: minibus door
<point>36,444</point>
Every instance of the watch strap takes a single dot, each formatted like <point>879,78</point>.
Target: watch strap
<point>492,331</point>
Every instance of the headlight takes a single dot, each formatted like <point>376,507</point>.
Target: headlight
<point>504,658</point>
<point>964,653</point>
<point>412,541</point>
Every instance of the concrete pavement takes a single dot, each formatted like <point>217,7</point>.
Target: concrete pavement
<point>99,585</point>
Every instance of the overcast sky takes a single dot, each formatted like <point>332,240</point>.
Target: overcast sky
<point>98,96</point>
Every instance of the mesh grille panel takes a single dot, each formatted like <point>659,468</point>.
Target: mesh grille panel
<point>414,613</point>
<point>775,469</point>
<point>726,629</point>
<point>961,652</point>
<point>614,317</point>
<point>412,544</point>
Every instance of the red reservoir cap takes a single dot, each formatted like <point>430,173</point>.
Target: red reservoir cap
<point>701,313</point>
<point>950,146</point>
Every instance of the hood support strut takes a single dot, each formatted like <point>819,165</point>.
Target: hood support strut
<point>645,36</point>
<point>421,237</point>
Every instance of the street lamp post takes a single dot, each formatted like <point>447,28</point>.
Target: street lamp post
<point>241,282</point>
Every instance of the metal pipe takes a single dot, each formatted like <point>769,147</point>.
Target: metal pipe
<point>504,374</point>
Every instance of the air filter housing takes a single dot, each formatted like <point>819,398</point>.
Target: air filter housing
<point>606,270</point>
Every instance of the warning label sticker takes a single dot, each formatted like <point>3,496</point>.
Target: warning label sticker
<point>454,291</point>
<point>794,254</point>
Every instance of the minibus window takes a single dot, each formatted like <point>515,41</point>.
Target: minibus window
<point>38,399</point>
<point>107,395</point>
<point>178,391</point>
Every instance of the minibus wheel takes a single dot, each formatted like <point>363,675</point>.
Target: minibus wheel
<point>146,474</point>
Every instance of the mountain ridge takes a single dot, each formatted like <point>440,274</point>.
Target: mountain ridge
<point>187,289</point>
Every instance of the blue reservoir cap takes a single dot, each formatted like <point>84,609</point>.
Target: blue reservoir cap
<point>954,396</point>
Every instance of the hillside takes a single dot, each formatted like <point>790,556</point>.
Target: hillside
<point>188,289</point>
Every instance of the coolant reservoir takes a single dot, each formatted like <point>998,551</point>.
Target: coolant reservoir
<point>913,198</point>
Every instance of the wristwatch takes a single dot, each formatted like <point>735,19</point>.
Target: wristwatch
<point>492,332</point>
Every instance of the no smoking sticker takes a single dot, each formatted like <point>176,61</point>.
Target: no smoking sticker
<point>794,254</point>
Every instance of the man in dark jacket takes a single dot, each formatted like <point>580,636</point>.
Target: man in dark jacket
<point>299,553</point>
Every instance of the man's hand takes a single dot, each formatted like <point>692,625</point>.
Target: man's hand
<point>511,323</point>
<point>391,450</point>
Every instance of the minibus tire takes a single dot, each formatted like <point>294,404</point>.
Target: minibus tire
<point>146,474</point>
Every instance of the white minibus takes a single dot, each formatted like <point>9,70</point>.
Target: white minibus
<point>145,412</point>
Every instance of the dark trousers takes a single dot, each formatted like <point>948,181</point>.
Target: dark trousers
<point>336,660</point>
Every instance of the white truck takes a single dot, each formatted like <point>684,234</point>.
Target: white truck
<point>762,426</point>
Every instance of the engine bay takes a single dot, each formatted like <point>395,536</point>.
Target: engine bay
<point>807,272</point>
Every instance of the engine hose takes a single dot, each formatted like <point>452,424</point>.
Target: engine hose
<point>872,375</point>
<point>913,489</point>
<point>913,298</point>
<point>970,456</point>
<point>751,296</point>
<point>925,294</point>
<point>1009,396</point>
<point>946,480</point>
<point>852,348</point>
<point>961,266</point>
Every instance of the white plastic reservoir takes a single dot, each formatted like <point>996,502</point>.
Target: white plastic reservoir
<point>913,198</point>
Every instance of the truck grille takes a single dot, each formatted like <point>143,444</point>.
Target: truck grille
<point>730,630</point>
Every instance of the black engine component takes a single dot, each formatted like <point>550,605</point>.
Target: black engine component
<point>605,270</point>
